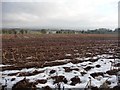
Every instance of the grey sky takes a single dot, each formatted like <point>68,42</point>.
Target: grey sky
<point>74,14</point>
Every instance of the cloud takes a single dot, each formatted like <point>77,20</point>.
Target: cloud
<point>83,14</point>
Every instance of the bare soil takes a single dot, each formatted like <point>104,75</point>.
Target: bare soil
<point>43,50</point>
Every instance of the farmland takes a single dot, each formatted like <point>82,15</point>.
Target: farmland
<point>59,60</point>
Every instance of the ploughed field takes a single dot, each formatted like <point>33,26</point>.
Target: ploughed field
<point>59,60</point>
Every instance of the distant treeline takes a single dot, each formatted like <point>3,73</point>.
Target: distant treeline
<point>62,31</point>
<point>14,31</point>
<point>96,31</point>
<point>101,31</point>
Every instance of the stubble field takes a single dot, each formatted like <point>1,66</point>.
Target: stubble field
<point>59,60</point>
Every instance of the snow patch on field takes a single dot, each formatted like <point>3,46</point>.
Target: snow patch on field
<point>105,65</point>
<point>1,65</point>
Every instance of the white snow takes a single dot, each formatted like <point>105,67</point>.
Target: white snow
<point>1,65</point>
<point>29,57</point>
<point>104,63</point>
<point>68,55</point>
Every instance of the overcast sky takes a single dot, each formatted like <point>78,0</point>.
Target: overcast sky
<point>74,14</point>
